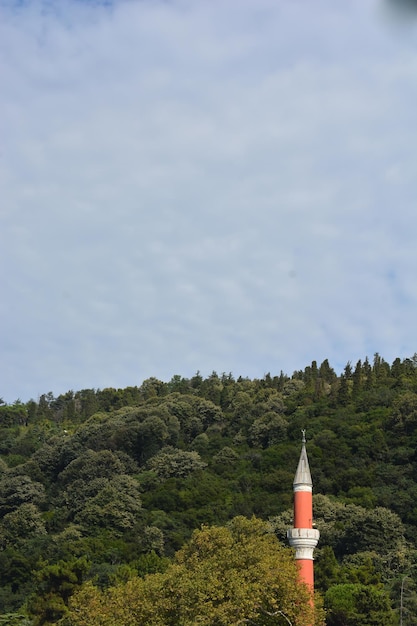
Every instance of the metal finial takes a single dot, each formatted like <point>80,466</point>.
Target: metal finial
<point>304,435</point>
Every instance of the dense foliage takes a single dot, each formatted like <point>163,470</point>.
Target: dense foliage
<point>101,490</point>
<point>224,575</point>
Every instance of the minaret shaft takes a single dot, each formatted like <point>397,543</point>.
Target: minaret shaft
<point>303,537</point>
<point>303,509</point>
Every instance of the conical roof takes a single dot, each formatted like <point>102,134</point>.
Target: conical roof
<point>303,475</point>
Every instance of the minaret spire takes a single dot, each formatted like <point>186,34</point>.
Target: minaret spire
<point>302,475</point>
<point>303,537</point>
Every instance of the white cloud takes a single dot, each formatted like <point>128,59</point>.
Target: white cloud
<point>199,186</point>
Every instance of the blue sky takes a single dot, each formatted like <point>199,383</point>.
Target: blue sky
<point>204,185</point>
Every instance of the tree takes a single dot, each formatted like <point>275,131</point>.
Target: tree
<point>268,430</point>
<point>17,490</point>
<point>15,570</point>
<point>404,415</point>
<point>115,506</point>
<point>87,403</point>
<point>25,521</point>
<point>343,391</point>
<point>368,375</point>
<point>326,568</point>
<point>152,388</point>
<point>56,583</point>
<point>74,468</point>
<point>171,462</point>
<point>152,434</point>
<point>13,415</point>
<point>224,576</point>
<point>225,457</point>
<point>91,465</point>
<point>326,372</point>
<point>358,605</point>
<point>357,379</point>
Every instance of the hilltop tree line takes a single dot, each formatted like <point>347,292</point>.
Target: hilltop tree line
<point>128,506</point>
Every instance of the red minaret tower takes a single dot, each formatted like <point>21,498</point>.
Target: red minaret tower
<point>303,537</point>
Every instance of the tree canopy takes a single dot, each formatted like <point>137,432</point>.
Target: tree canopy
<point>102,489</point>
<point>223,576</point>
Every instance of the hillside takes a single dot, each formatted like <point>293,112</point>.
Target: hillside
<point>97,485</point>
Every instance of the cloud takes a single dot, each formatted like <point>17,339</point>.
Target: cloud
<point>188,186</point>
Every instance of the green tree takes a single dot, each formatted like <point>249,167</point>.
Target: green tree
<point>13,415</point>
<point>224,576</point>
<point>326,372</point>
<point>152,435</point>
<point>90,465</point>
<point>171,462</point>
<point>22,523</point>
<point>404,414</point>
<point>368,375</point>
<point>357,379</point>
<point>267,430</point>
<point>326,568</point>
<point>56,584</point>
<point>17,490</point>
<point>115,506</point>
<point>152,388</point>
<point>358,605</point>
<point>343,391</point>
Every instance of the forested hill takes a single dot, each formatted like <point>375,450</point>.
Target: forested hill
<point>97,484</point>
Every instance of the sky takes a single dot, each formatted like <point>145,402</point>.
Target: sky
<point>204,185</point>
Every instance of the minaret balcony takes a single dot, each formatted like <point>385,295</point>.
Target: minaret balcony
<point>304,540</point>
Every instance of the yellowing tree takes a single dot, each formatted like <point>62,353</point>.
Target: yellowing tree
<point>225,576</point>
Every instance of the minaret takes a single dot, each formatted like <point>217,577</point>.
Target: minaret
<point>303,537</point>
